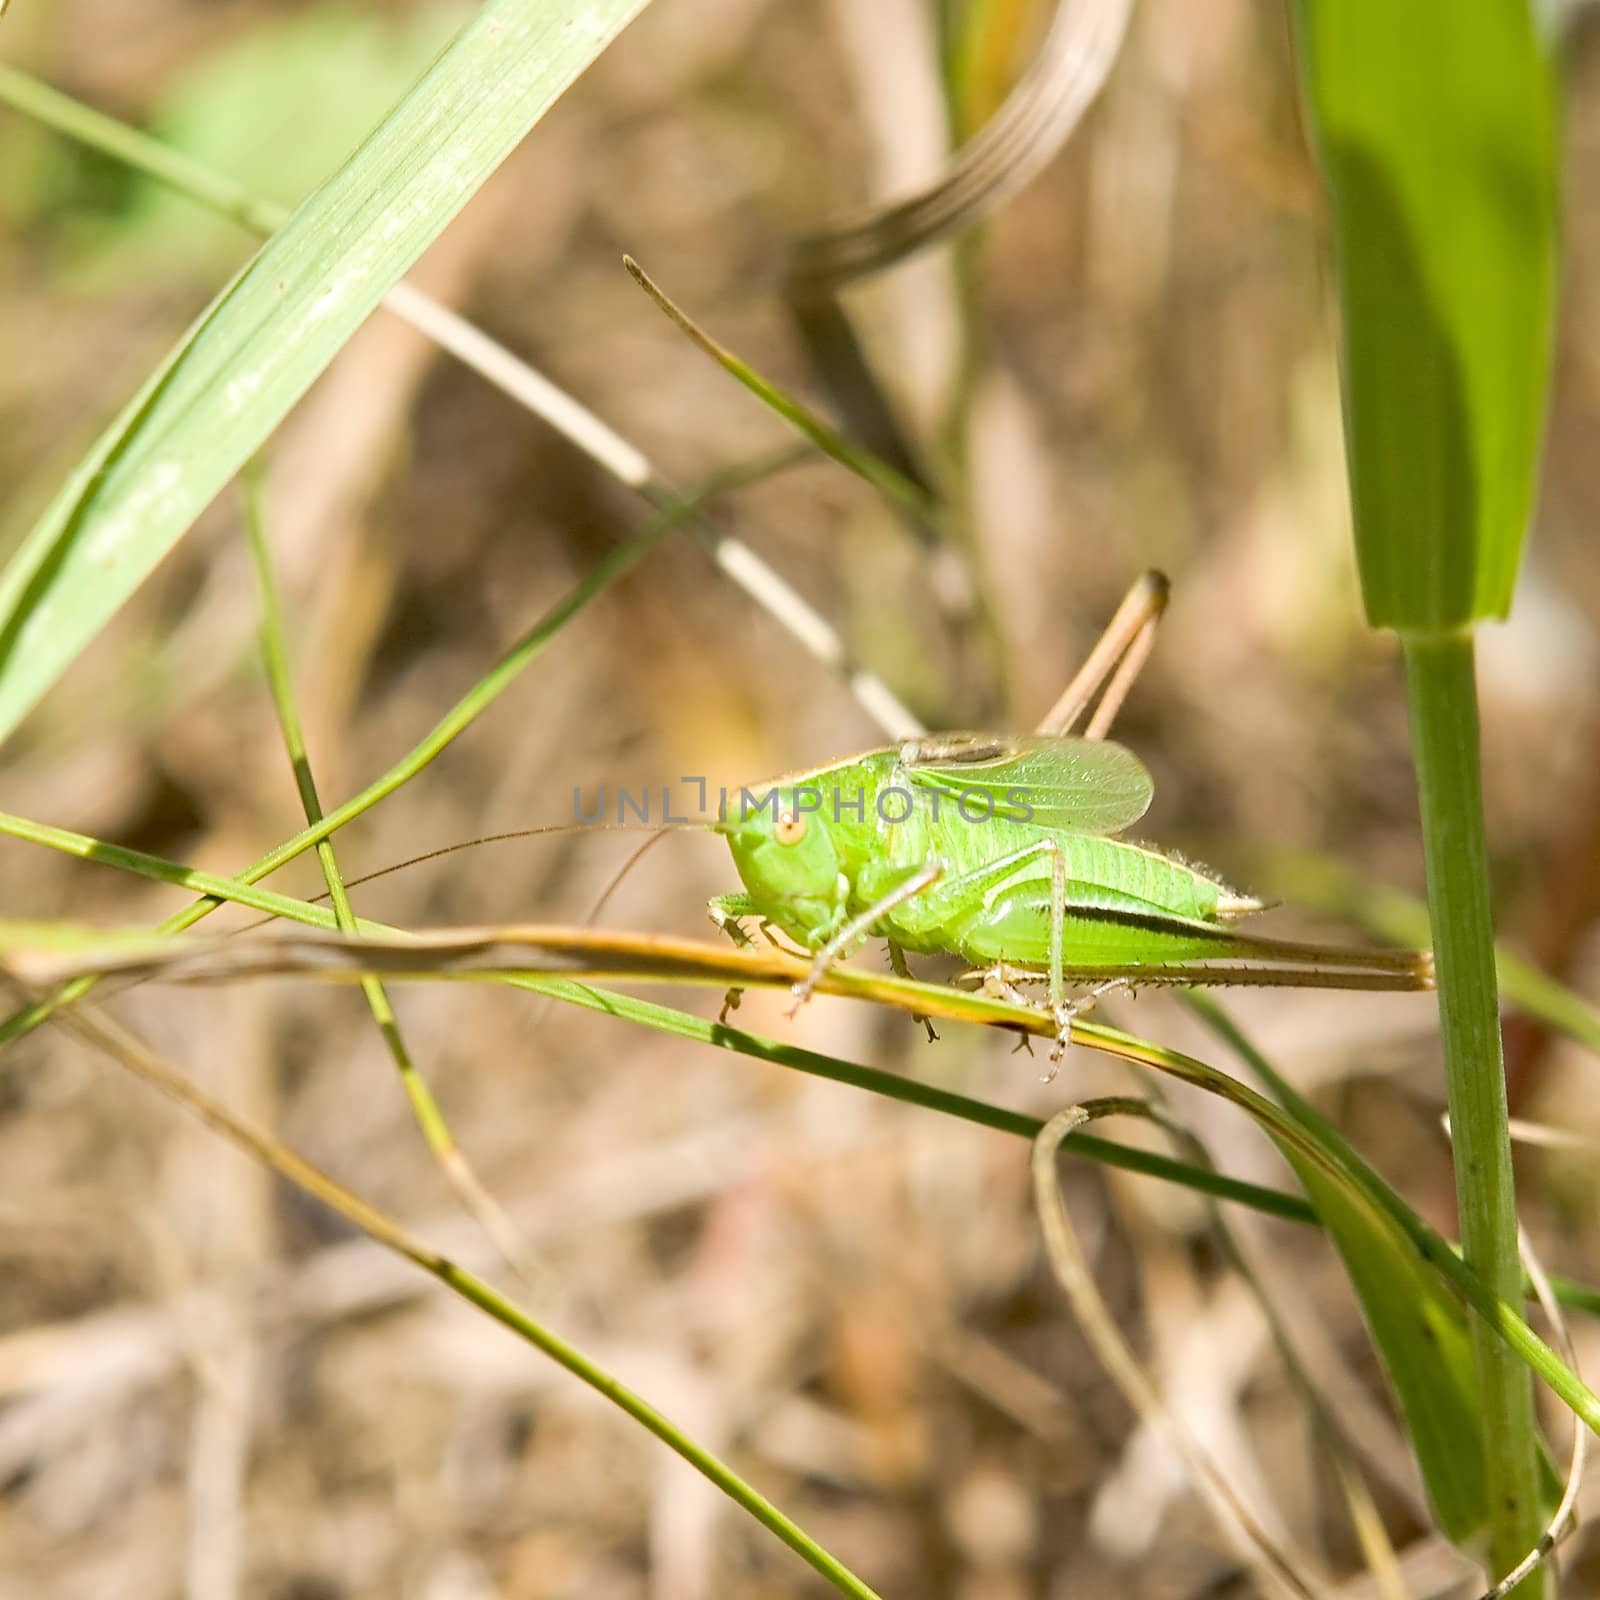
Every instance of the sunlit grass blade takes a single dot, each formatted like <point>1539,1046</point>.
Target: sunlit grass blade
<point>496,365</point>
<point>549,949</point>
<point>261,343</point>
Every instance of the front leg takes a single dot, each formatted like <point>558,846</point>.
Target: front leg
<point>725,910</point>
<point>856,927</point>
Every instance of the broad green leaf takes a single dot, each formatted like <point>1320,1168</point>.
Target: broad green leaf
<point>1437,128</point>
<point>264,340</point>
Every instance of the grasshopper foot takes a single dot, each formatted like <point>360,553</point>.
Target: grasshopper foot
<point>1063,1016</point>
<point>1001,982</point>
<point>807,986</point>
<point>897,964</point>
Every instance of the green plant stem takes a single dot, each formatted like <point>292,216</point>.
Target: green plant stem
<point>1444,737</point>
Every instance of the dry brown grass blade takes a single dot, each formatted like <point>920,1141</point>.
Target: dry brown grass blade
<point>1073,1273</point>
<point>1012,149</point>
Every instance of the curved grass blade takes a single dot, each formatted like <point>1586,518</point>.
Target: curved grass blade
<point>1419,1329</point>
<point>1076,1279</point>
<point>27,950</point>
<point>1383,1207</point>
<point>258,347</point>
<point>1444,1423</point>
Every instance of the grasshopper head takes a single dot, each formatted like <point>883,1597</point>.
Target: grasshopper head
<point>786,856</point>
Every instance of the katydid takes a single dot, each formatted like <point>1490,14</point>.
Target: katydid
<point>1005,852</point>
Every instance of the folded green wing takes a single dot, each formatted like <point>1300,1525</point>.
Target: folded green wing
<point>1085,785</point>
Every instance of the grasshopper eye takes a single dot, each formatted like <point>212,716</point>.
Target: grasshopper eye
<point>790,828</point>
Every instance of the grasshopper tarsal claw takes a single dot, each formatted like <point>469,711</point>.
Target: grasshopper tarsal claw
<point>897,964</point>
<point>807,986</point>
<point>1066,1015</point>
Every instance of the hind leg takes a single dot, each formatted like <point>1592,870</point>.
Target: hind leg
<point>1112,665</point>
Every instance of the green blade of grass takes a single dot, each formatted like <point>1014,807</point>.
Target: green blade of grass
<point>492,362</point>
<point>1419,1329</point>
<point>430,1118</point>
<point>1302,1141</point>
<point>261,343</point>
<point>915,501</point>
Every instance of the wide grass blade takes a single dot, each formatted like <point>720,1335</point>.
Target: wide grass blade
<point>263,341</point>
<point>1436,124</point>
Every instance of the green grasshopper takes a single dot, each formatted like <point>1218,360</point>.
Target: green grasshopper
<point>1005,852</point>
